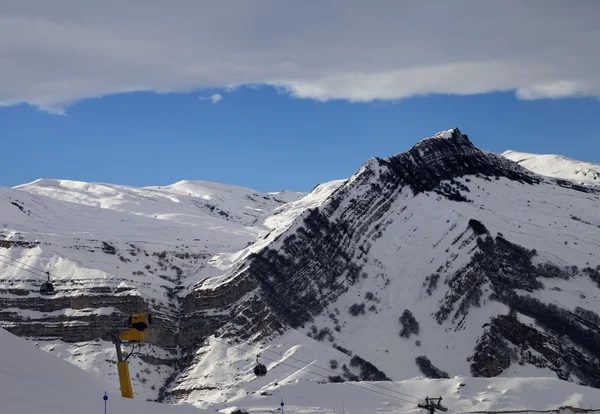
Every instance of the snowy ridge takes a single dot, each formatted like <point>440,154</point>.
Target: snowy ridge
<point>557,166</point>
<point>189,202</point>
<point>447,134</point>
<point>278,221</point>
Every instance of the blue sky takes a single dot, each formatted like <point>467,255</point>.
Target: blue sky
<point>119,92</point>
<point>270,141</point>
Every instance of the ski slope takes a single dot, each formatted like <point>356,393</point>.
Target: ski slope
<point>34,381</point>
<point>557,166</point>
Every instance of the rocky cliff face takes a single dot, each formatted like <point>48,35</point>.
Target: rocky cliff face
<point>439,261</point>
<point>335,251</point>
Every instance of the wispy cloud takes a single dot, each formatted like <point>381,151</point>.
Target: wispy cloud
<point>214,98</point>
<point>55,54</point>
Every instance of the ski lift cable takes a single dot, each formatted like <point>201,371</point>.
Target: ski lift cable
<point>350,383</point>
<point>323,368</point>
<point>327,377</point>
<point>23,264</point>
<point>46,288</point>
<point>37,272</point>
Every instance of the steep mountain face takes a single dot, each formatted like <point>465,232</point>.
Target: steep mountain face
<point>557,166</point>
<point>443,260</point>
<point>439,261</point>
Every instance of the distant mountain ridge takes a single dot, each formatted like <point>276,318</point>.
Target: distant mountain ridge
<point>557,166</point>
<point>183,200</point>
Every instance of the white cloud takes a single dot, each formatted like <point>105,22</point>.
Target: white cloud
<point>53,54</point>
<point>214,98</point>
<point>558,89</point>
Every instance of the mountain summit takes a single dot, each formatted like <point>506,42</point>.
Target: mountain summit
<point>443,260</point>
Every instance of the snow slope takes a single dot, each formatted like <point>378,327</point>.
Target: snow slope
<point>75,218</point>
<point>33,381</point>
<point>475,395</point>
<point>557,166</point>
<point>186,202</point>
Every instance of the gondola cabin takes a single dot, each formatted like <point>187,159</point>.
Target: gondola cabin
<point>260,370</point>
<point>47,288</point>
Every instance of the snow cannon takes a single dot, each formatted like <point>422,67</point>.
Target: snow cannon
<point>140,321</point>
<point>135,334</point>
<point>138,324</point>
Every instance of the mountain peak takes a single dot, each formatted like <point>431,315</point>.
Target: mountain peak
<point>447,155</point>
<point>449,141</point>
<point>453,133</point>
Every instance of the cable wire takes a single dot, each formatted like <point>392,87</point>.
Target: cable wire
<point>24,264</point>
<point>139,344</point>
<point>22,268</point>
<point>321,375</point>
<point>324,376</point>
<point>323,368</point>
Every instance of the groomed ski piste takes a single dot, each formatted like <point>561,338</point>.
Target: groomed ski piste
<point>34,381</point>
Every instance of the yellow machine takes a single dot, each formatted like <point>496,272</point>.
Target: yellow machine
<point>138,323</point>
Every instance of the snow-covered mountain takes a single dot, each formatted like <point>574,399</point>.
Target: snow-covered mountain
<point>443,260</point>
<point>113,250</point>
<point>557,166</point>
